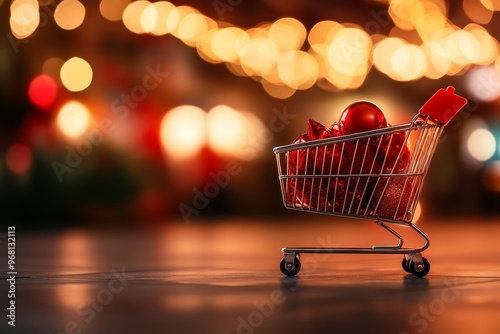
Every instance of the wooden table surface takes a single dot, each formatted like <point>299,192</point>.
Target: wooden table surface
<point>223,277</point>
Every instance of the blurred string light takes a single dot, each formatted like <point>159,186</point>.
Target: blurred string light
<point>73,119</point>
<point>340,54</point>
<point>423,42</point>
<point>76,74</point>
<point>186,129</point>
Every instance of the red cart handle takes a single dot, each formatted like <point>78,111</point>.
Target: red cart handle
<point>443,105</point>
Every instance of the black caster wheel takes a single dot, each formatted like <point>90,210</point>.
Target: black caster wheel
<point>405,265</point>
<point>292,272</point>
<point>427,268</point>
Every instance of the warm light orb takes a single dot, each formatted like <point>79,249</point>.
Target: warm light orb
<point>73,119</point>
<point>148,18</point>
<point>69,14</point>
<point>52,67</point>
<point>191,27</point>
<point>493,5</point>
<point>259,56</point>
<point>112,9</point>
<point>227,130</point>
<point>163,9</point>
<point>349,52</point>
<point>480,82</point>
<point>132,16</point>
<point>18,159</point>
<point>76,74</point>
<point>417,213</point>
<point>408,63</point>
<point>321,35</point>
<point>227,43</point>
<point>24,18</point>
<point>297,69</point>
<point>42,91</point>
<point>477,12</point>
<point>288,34</point>
<point>183,131</point>
<point>481,144</point>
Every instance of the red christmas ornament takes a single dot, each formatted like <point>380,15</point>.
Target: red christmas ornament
<point>336,177</point>
<point>361,116</point>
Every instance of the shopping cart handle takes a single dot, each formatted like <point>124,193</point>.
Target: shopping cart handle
<point>443,105</point>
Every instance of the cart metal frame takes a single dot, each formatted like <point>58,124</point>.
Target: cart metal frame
<point>423,132</point>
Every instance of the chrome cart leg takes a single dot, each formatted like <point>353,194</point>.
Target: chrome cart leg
<point>397,235</point>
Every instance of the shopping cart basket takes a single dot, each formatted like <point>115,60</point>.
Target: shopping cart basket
<point>364,188</point>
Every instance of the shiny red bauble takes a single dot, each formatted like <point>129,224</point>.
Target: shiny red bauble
<point>361,116</point>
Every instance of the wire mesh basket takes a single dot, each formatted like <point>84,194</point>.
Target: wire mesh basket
<point>375,174</point>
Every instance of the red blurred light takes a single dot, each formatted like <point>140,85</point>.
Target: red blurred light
<point>42,91</point>
<point>18,158</point>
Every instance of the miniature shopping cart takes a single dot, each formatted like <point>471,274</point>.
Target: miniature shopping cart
<point>370,187</point>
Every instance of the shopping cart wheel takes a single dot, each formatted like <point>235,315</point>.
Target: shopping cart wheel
<point>295,269</point>
<point>405,265</point>
<point>424,271</point>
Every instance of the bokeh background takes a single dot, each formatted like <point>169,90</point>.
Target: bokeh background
<point>120,114</point>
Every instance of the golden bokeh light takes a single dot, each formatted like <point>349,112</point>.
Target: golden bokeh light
<point>259,56</point>
<point>205,49</point>
<point>287,33</point>
<point>163,9</point>
<point>297,69</point>
<point>481,144</point>
<point>69,14</point>
<point>76,74</point>
<point>73,119</point>
<point>321,35</point>
<point>183,131</point>
<point>191,27</point>
<point>349,52</point>
<point>175,18</point>
<point>422,43</point>
<point>408,63</point>
<point>382,52</point>
<point>112,10</point>
<point>227,43</point>
<point>15,4</point>
<point>438,64</point>
<point>278,91</point>
<point>227,130</point>
<point>52,67</point>
<point>493,5</point>
<point>148,18</point>
<point>132,16</point>
<point>476,12</point>
<point>488,46</point>
<point>24,18</point>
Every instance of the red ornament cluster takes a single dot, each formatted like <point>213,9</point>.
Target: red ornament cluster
<point>344,177</point>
